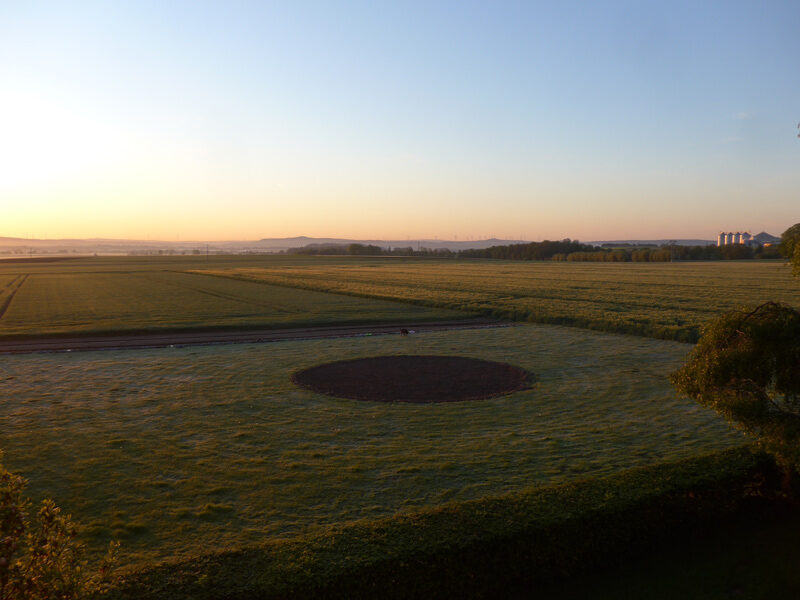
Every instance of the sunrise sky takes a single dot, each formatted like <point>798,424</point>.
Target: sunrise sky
<point>394,120</point>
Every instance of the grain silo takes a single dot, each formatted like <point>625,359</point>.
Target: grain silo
<point>721,239</point>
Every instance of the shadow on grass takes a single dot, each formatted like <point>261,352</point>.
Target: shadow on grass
<point>755,556</point>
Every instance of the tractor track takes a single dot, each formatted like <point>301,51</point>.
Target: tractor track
<point>18,281</point>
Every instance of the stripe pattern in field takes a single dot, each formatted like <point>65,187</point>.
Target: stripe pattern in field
<point>70,302</point>
<point>671,301</point>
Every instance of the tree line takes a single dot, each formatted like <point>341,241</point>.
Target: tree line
<point>566,250</point>
<point>368,250</point>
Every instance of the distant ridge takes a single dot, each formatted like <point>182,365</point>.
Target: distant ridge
<point>766,238</point>
<point>299,241</point>
<point>11,245</point>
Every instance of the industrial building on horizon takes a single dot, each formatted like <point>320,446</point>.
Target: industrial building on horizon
<point>728,238</point>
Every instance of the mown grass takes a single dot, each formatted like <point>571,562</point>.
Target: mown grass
<point>112,296</point>
<point>210,447</point>
<point>664,300</point>
<point>502,546</point>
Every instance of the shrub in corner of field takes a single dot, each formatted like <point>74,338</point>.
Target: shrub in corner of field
<point>42,559</point>
<point>746,366</point>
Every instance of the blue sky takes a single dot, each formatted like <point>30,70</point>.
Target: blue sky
<point>199,120</point>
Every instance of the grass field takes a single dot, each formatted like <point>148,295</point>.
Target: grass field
<point>91,295</point>
<point>118,295</point>
<point>186,450</point>
<point>176,450</point>
<point>662,300</point>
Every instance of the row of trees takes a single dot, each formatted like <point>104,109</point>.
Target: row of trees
<point>531,251</point>
<point>564,250</point>
<point>669,253</point>
<point>367,250</point>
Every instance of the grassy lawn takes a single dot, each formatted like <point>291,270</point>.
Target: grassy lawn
<point>663,300</point>
<point>178,449</point>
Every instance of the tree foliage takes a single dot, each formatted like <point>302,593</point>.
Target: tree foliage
<point>42,560</point>
<point>747,367</point>
<point>789,241</point>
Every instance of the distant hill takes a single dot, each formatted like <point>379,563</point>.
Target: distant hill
<point>766,238</point>
<point>17,246</point>
<point>12,246</point>
<point>297,242</point>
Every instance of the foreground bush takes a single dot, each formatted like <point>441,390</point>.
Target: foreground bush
<point>42,560</point>
<point>747,367</point>
<point>477,548</point>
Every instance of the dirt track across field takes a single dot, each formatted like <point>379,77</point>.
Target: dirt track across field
<point>188,338</point>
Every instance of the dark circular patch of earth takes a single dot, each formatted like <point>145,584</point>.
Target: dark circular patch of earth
<point>405,378</point>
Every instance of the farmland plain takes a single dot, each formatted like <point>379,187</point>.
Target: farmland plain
<point>662,300</point>
<point>99,295</point>
<point>90,296</point>
<point>209,447</point>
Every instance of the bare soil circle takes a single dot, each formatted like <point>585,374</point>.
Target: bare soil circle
<point>417,378</point>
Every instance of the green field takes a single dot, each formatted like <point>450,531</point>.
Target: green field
<point>93,295</point>
<point>662,300</point>
<point>175,450</point>
<point>117,295</point>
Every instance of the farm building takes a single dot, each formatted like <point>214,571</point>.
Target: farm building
<point>727,238</point>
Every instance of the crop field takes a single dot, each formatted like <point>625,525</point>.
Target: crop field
<point>96,296</point>
<point>93,295</point>
<point>662,300</point>
<point>180,450</point>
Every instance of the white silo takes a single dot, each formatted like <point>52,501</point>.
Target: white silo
<point>745,237</point>
<point>737,237</point>
<point>721,239</point>
<point>728,238</point>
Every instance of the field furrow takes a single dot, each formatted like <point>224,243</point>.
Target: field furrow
<point>9,292</point>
